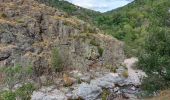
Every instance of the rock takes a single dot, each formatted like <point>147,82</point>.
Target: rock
<point>86,78</point>
<point>107,81</point>
<point>43,79</point>
<point>36,32</point>
<point>89,91</point>
<point>68,81</point>
<point>4,55</point>
<point>48,94</point>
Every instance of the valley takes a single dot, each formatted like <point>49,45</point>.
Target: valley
<point>54,50</point>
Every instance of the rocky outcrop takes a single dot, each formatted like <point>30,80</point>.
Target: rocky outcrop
<point>29,31</point>
<point>48,94</point>
<point>118,87</point>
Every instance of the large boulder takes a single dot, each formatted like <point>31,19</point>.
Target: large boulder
<point>107,81</point>
<point>89,91</point>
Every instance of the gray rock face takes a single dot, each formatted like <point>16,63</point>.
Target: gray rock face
<point>31,31</point>
<point>48,94</point>
<point>89,92</point>
<point>107,81</point>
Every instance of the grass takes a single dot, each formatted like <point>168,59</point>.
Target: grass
<point>125,74</point>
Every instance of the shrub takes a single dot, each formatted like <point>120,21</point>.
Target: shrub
<point>3,15</point>
<point>100,50</point>
<point>57,62</point>
<point>15,74</point>
<point>24,92</point>
<point>154,60</point>
<point>94,42</point>
<point>105,94</point>
<point>7,95</point>
<point>125,74</point>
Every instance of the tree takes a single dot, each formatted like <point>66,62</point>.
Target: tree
<point>155,59</point>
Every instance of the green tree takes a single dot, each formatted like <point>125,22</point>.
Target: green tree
<point>155,59</point>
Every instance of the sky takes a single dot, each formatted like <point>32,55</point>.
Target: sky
<point>100,5</point>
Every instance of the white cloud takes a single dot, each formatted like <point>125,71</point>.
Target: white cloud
<point>100,5</point>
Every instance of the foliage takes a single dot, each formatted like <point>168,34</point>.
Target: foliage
<point>57,62</point>
<point>125,74</point>
<point>154,60</point>
<point>3,15</point>
<point>16,74</point>
<point>73,10</point>
<point>94,42</point>
<point>23,93</point>
<point>105,94</point>
<point>100,50</point>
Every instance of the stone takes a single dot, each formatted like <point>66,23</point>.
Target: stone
<point>4,55</point>
<point>48,94</point>
<point>86,78</point>
<point>68,81</point>
<point>43,79</point>
<point>89,91</point>
<point>107,81</point>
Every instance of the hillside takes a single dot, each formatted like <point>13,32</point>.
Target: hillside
<point>73,10</point>
<point>54,50</point>
<point>134,21</point>
<point>130,23</point>
<point>42,46</point>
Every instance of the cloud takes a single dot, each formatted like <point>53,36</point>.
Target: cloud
<point>100,5</point>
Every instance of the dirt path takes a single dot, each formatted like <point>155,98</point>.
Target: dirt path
<point>134,75</point>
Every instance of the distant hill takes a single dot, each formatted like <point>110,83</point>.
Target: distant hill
<point>73,10</point>
<point>133,22</point>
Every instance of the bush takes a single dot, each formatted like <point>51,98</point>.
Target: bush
<point>25,92</point>
<point>154,60</point>
<point>94,42</point>
<point>3,15</point>
<point>100,50</point>
<point>7,95</point>
<point>16,74</point>
<point>57,62</point>
<point>125,74</point>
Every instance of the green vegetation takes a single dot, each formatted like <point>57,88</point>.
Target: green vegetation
<point>154,60</point>
<point>23,93</point>
<point>73,10</point>
<point>94,42</point>
<point>105,94</point>
<point>100,50</point>
<point>57,62</point>
<point>16,74</point>
<point>132,23</point>
<point>7,95</point>
<point>125,74</point>
<point>3,15</point>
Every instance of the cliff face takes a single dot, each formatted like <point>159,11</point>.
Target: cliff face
<point>29,31</point>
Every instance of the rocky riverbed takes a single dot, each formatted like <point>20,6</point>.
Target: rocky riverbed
<point>97,85</point>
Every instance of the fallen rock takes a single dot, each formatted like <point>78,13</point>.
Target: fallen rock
<point>89,91</point>
<point>68,81</point>
<point>107,81</point>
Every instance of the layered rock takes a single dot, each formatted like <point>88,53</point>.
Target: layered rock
<point>29,31</point>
